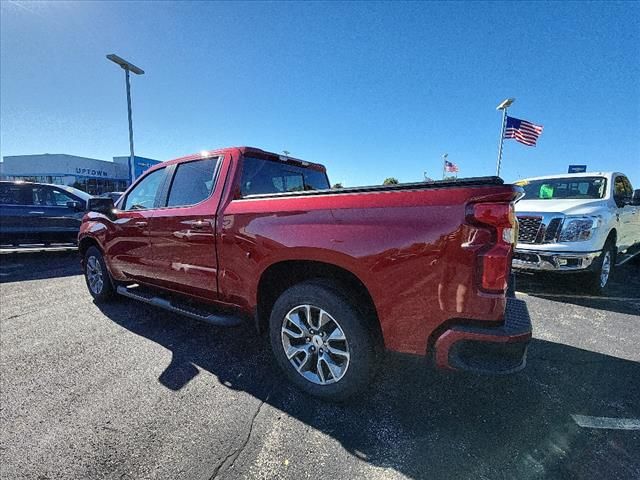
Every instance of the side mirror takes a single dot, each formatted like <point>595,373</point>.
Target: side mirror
<point>635,199</point>
<point>621,200</point>
<point>102,205</point>
<point>73,205</point>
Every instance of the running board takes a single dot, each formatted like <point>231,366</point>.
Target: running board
<point>625,258</point>
<point>182,309</point>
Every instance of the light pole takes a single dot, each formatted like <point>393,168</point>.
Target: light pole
<point>503,106</point>
<point>128,67</point>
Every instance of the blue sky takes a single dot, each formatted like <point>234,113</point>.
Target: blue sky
<point>372,90</point>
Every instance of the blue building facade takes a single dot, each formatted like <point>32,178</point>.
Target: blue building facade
<point>89,174</point>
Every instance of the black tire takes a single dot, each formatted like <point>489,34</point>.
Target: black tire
<point>361,364</point>
<point>596,281</point>
<point>94,264</point>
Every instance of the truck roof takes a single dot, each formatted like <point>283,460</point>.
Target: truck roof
<point>577,175</point>
<point>247,151</point>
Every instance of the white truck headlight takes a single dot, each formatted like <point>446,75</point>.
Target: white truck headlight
<point>578,229</point>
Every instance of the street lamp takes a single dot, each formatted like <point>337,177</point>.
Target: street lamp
<point>128,67</point>
<point>503,106</point>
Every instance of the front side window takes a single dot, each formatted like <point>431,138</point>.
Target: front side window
<point>44,196</point>
<point>143,195</point>
<point>622,191</point>
<point>61,199</point>
<point>261,176</point>
<point>192,183</point>
<point>564,188</point>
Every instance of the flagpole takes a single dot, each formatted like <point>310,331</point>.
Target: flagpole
<point>444,164</point>
<point>503,106</point>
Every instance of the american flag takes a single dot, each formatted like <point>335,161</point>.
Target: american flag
<point>450,166</point>
<point>522,131</point>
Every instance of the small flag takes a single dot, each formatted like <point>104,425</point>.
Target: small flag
<point>450,166</point>
<point>522,131</point>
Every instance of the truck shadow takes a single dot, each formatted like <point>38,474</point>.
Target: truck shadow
<point>622,296</point>
<point>420,422</point>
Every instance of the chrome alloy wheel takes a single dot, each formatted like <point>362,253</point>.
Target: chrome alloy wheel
<point>606,269</point>
<point>315,344</point>
<point>94,275</point>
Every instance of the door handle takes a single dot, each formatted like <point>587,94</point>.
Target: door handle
<point>36,213</point>
<point>197,224</point>
<point>141,224</point>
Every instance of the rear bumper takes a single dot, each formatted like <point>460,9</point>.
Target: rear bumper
<point>535,260</point>
<point>495,350</point>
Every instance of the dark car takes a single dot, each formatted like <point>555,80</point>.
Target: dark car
<point>38,213</point>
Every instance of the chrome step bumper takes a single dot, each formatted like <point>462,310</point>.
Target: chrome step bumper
<point>552,261</point>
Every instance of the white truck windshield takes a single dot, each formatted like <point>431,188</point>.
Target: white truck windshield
<point>564,188</point>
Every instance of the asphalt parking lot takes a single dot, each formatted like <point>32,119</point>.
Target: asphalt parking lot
<point>129,391</point>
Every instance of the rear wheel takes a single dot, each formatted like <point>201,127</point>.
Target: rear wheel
<point>97,276</point>
<point>321,342</point>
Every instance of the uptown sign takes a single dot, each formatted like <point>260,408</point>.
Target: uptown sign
<point>91,172</point>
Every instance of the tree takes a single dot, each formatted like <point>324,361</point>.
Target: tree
<point>337,185</point>
<point>390,181</point>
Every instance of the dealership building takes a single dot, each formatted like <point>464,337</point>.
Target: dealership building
<point>88,174</point>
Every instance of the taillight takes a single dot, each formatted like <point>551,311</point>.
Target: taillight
<point>495,261</point>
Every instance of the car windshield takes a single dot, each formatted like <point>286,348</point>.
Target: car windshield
<point>78,193</point>
<point>570,188</point>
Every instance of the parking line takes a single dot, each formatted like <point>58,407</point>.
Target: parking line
<point>586,421</point>
<point>565,295</point>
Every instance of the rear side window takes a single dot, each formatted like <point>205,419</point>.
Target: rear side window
<point>192,182</point>
<point>11,194</point>
<point>261,176</point>
<point>143,195</point>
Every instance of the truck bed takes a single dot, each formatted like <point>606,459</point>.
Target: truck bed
<point>436,184</point>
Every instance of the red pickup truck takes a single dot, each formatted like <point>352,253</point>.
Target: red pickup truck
<point>240,236</point>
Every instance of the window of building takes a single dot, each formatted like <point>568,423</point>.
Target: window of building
<point>192,183</point>
<point>143,195</point>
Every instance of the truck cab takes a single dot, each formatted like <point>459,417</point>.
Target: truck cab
<point>578,223</point>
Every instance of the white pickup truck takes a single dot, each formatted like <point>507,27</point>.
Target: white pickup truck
<point>579,222</point>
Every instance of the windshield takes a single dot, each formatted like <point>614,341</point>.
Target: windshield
<point>78,193</point>
<point>564,188</point>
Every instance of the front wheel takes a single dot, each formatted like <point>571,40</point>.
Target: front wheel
<point>599,279</point>
<point>97,276</point>
<point>321,342</point>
